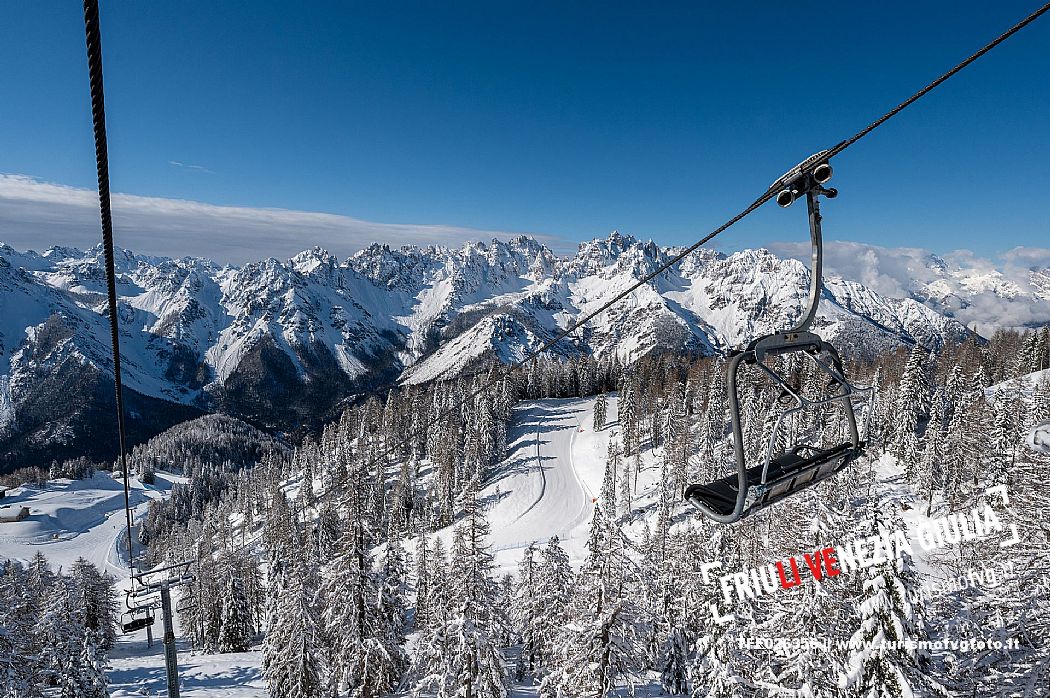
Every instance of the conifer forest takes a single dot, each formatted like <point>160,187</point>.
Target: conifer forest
<point>360,561</point>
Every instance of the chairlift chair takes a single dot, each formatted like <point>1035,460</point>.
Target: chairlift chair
<point>136,619</point>
<point>787,468</point>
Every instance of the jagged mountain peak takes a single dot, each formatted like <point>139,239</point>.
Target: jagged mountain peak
<point>283,342</point>
<point>310,260</point>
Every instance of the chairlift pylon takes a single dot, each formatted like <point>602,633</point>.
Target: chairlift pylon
<point>786,468</point>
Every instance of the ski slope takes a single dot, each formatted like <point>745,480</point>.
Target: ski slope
<point>549,482</point>
<point>76,518</point>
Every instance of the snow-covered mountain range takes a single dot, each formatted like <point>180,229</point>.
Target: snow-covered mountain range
<point>283,343</point>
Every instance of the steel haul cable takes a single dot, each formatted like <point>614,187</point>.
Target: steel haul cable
<point>757,203</point>
<point>98,118</point>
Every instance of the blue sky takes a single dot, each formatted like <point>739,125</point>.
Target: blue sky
<point>563,119</point>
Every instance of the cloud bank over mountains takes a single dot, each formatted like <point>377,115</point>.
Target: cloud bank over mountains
<point>1012,290</point>
<point>36,214</point>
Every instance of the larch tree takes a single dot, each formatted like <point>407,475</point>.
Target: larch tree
<point>459,657</point>
<point>294,644</point>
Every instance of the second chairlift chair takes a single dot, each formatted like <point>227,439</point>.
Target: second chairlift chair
<point>136,617</point>
<point>783,472</point>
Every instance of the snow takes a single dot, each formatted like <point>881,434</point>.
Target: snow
<point>1039,438</point>
<point>74,518</point>
<point>70,519</point>
<point>1026,384</point>
<point>136,670</point>
<point>895,491</point>
<point>547,484</point>
<point>383,302</point>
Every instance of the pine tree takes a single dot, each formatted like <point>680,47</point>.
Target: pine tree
<point>393,595</point>
<point>472,565</point>
<point>328,529</point>
<point>95,593</point>
<point>236,627</point>
<point>459,656</point>
<point>627,408</point>
<point>363,620</point>
<point>597,645</point>
<point>439,595</point>
<point>881,664</point>
<point>607,494</point>
<point>19,627</point>
<point>62,634</point>
<point>1003,437</point>
<point>713,675</point>
<point>674,668</point>
<point>553,596</point>
<point>422,615</point>
<point>293,647</point>
<point>912,407</point>
<point>600,409</point>
<point>90,677</point>
<point>459,661</point>
<point>526,614</point>
<point>626,493</point>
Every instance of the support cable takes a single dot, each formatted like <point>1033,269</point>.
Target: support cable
<point>98,118</point>
<point>751,208</point>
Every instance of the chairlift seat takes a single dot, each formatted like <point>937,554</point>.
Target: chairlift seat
<point>136,624</point>
<point>790,472</point>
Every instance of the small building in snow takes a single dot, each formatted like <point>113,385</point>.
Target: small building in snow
<point>7,517</point>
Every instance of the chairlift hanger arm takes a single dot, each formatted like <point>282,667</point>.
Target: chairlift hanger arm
<point>153,587</point>
<point>808,178</point>
<point>781,473</point>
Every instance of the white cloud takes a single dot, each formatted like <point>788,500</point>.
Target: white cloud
<point>990,293</point>
<point>1021,260</point>
<point>36,214</point>
<point>188,166</point>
